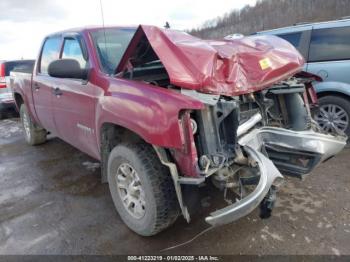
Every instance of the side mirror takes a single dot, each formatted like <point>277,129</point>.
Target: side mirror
<point>67,68</point>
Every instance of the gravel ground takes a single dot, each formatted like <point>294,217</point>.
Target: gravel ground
<point>52,202</point>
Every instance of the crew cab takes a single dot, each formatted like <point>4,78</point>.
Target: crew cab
<point>162,109</point>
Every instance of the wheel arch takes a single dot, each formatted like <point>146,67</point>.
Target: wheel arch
<point>333,93</point>
<point>332,88</point>
<point>18,100</point>
<point>110,135</point>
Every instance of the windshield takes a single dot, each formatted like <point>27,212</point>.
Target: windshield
<point>111,44</point>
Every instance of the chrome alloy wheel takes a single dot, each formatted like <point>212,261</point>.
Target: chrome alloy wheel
<point>332,118</point>
<point>130,190</point>
<point>26,125</point>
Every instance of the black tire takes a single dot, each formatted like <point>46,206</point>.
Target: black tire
<point>340,102</point>
<point>161,206</point>
<point>33,134</point>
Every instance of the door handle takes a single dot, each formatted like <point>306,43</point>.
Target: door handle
<point>36,86</point>
<point>57,92</point>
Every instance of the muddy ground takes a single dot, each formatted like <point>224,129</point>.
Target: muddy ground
<point>52,202</point>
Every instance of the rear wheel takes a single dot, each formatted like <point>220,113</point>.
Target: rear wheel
<point>34,135</point>
<point>334,114</point>
<point>142,189</point>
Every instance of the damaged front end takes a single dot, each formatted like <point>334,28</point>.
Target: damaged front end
<point>275,135</point>
<point>256,123</point>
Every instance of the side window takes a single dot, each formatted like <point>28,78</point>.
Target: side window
<point>293,38</point>
<point>330,44</point>
<point>50,52</point>
<point>72,50</point>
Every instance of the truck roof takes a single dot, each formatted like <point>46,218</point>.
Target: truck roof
<point>91,28</point>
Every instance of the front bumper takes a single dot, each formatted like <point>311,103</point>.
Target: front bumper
<point>268,174</point>
<point>318,147</point>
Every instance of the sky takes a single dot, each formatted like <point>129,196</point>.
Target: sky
<point>24,23</point>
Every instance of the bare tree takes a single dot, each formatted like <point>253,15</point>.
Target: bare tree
<point>269,14</point>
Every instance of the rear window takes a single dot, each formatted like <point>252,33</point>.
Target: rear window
<point>293,38</point>
<point>330,44</point>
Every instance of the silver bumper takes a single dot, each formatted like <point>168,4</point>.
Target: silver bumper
<point>325,146</point>
<point>308,141</point>
<point>268,174</point>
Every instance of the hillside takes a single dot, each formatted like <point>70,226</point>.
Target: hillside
<point>269,14</point>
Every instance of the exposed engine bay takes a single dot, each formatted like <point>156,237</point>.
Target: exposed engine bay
<point>246,143</point>
<point>226,120</point>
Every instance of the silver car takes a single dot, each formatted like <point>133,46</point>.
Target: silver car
<point>6,97</point>
<point>326,48</point>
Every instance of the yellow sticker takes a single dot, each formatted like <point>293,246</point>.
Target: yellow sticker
<point>265,63</point>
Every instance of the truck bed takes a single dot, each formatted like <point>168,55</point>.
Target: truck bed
<point>22,80</point>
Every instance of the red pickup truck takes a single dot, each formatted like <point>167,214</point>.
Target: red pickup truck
<point>162,109</point>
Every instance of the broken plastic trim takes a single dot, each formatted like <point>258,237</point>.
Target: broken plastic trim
<point>268,174</point>
<point>178,180</point>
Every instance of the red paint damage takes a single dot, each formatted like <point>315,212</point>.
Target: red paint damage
<point>225,67</point>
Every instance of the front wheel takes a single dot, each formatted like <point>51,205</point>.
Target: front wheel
<point>34,135</point>
<point>334,114</point>
<point>142,189</point>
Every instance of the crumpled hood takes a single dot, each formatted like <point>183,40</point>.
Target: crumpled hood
<point>225,67</point>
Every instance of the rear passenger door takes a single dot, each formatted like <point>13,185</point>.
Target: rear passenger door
<point>329,54</point>
<point>42,84</point>
<point>74,101</point>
